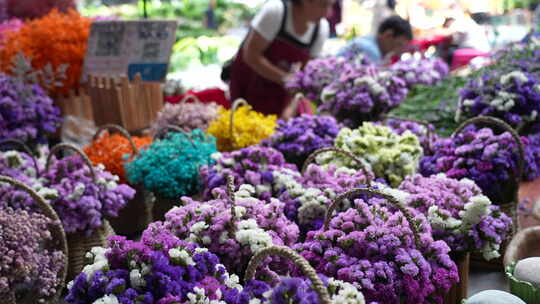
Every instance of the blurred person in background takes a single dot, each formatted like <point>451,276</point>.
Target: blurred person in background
<point>283,34</point>
<point>335,17</point>
<point>393,36</point>
<point>381,11</point>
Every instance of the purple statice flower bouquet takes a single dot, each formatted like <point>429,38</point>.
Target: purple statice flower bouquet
<point>488,159</point>
<point>362,93</point>
<point>26,112</point>
<point>158,269</point>
<point>308,196</point>
<point>232,230</point>
<point>424,71</point>
<point>252,165</point>
<point>188,116</point>
<point>27,265</point>
<point>512,96</point>
<point>315,76</point>
<point>81,200</point>
<point>381,254</point>
<point>297,138</point>
<point>458,213</point>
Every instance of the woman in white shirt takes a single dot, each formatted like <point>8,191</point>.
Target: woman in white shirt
<point>284,33</point>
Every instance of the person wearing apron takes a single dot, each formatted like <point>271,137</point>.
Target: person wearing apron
<point>283,34</point>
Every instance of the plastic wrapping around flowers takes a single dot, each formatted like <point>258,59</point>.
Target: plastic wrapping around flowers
<point>309,288</point>
<point>388,155</point>
<point>241,127</point>
<point>315,76</point>
<point>170,167</point>
<point>252,165</point>
<point>26,112</point>
<point>112,150</point>
<point>458,213</point>
<point>425,71</point>
<point>188,116</point>
<point>513,97</point>
<point>362,93</point>
<point>492,161</point>
<point>389,256</point>
<point>160,269</point>
<point>297,138</point>
<point>232,226</point>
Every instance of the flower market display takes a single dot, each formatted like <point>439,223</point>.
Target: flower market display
<point>169,167</point>
<point>362,93</point>
<point>388,155</point>
<point>159,269</point>
<point>248,128</point>
<point>113,150</point>
<point>382,253</point>
<point>57,39</point>
<point>424,131</point>
<point>233,226</point>
<point>423,71</point>
<point>188,116</point>
<point>459,213</point>
<point>26,112</point>
<point>303,135</point>
<point>478,154</point>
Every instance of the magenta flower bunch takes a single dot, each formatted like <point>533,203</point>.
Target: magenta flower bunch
<point>376,249</point>
<point>27,265</point>
<point>459,213</point>
<point>232,232</point>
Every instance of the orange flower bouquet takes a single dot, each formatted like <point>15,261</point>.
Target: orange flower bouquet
<point>58,39</point>
<point>112,150</point>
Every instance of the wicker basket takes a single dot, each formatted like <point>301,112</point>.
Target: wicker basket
<point>298,260</point>
<point>458,292</point>
<point>162,205</point>
<point>137,214</point>
<point>510,204</point>
<point>57,232</point>
<point>78,242</point>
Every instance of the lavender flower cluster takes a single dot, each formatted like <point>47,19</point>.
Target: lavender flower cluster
<point>458,213</point>
<point>188,116</point>
<point>252,165</point>
<point>425,71</point>
<point>315,76</point>
<point>511,96</point>
<point>26,263</point>
<point>362,93</point>
<point>488,159</point>
<point>232,232</point>
<point>374,249</point>
<point>421,131</point>
<point>159,269</point>
<point>26,112</point>
<point>297,138</point>
<point>80,200</point>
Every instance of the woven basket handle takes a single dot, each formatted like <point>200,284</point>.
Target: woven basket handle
<point>64,146</point>
<point>492,121</point>
<point>23,147</point>
<point>163,131</point>
<point>424,123</point>
<point>298,260</point>
<point>57,229</point>
<point>389,199</point>
<point>120,130</point>
<point>236,104</point>
<point>311,158</point>
<point>190,97</point>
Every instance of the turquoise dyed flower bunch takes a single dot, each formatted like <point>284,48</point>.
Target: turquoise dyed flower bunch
<point>170,167</point>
